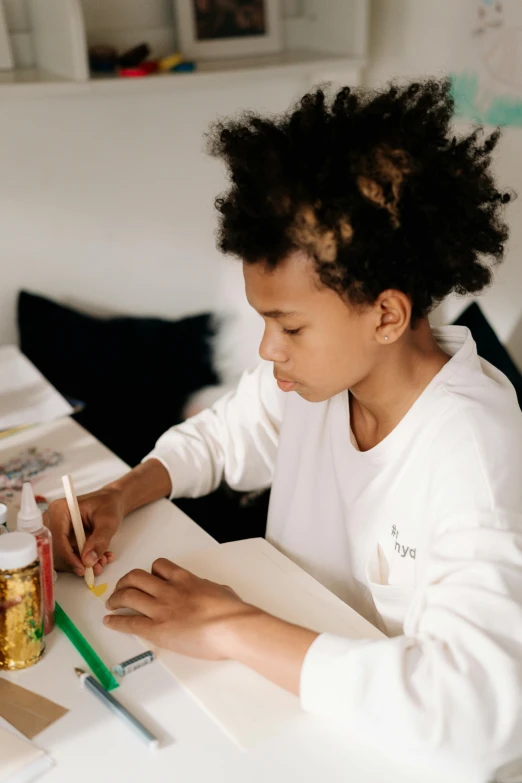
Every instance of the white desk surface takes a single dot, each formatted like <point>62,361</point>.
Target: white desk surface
<point>89,744</point>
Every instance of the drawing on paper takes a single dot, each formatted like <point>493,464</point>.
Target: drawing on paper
<point>26,466</point>
<point>489,91</point>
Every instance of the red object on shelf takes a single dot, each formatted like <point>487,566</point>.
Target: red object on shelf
<point>132,73</point>
<point>150,65</point>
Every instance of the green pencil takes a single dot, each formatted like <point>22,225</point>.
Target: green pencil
<point>95,663</point>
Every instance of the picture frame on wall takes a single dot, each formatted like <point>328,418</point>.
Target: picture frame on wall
<point>213,29</point>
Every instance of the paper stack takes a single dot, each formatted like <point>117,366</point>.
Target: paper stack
<point>26,396</point>
<point>20,760</point>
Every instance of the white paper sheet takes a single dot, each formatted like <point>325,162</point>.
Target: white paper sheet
<point>246,706</point>
<point>26,397</point>
<point>20,760</point>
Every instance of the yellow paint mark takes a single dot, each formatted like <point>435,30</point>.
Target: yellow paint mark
<point>98,590</point>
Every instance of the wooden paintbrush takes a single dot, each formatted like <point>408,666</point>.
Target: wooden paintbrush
<point>77,523</point>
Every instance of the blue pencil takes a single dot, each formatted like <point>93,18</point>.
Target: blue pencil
<point>118,709</point>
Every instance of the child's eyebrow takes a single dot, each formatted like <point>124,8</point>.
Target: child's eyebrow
<point>278,313</point>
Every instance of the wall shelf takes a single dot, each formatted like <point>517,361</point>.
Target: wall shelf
<point>328,41</point>
<point>313,66</point>
<point>31,82</point>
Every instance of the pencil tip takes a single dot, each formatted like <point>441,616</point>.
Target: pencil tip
<point>79,672</point>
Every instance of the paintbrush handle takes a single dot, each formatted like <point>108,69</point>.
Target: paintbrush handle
<point>76,519</point>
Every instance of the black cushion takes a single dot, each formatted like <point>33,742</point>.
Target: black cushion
<point>489,346</point>
<point>133,374</point>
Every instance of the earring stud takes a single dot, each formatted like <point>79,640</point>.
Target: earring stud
<point>385,336</point>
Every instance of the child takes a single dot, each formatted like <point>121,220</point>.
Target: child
<point>394,453</point>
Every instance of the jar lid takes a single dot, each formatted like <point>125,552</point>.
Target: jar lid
<point>17,550</point>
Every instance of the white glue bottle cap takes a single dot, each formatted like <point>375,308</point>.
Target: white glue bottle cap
<point>17,550</point>
<point>29,519</point>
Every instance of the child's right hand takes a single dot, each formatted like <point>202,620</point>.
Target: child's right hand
<point>102,514</point>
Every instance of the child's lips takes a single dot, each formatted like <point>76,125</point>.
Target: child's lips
<point>285,386</point>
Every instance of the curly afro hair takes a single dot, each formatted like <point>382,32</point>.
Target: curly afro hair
<point>374,186</point>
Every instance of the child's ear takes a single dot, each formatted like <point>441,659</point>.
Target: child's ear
<point>394,310</point>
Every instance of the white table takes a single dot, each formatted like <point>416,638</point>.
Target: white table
<point>90,745</point>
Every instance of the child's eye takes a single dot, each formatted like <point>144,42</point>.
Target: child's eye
<point>291,331</point>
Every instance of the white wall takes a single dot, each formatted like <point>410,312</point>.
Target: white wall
<point>411,38</point>
<point>107,200</point>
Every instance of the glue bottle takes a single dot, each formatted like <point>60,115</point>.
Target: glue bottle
<point>30,520</point>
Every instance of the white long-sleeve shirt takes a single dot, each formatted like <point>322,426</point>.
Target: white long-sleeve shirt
<point>422,534</point>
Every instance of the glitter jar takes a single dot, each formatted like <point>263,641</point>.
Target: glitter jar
<point>21,626</point>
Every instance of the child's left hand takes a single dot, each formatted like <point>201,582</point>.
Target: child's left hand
<point>178,610</point>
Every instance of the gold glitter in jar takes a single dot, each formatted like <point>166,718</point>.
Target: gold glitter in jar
<point>21,626</point>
